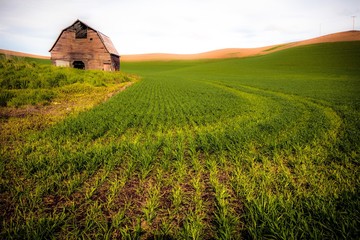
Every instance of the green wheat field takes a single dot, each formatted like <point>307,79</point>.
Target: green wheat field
<point>265,147</point>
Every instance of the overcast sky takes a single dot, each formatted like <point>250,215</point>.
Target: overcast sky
<point>174,26</point>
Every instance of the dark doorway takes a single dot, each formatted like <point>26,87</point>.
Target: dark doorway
<point>115,61</point>
<point>79,64</point>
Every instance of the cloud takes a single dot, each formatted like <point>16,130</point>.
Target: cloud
<point>177,26</point>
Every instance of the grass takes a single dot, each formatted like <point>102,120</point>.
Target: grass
<point>261,147</point>
<point>25,82</point>
<point>31,102</point>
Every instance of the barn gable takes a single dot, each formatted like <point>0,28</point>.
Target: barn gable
<point>81,46</point>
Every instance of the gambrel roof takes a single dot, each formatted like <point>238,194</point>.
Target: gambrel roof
<point>109,46</point>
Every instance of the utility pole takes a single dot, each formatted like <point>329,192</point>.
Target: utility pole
<point>353,17</point>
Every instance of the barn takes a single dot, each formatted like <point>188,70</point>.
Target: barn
<point>81,46</point>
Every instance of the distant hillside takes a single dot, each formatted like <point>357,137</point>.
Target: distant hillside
<point>221,53</point>
<point>21,54</point>
<point>244,52</point>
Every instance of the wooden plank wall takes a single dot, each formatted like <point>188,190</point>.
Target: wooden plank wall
<point>90,50</point>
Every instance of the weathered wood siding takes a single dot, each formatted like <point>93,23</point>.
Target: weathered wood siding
<point>89,50</point>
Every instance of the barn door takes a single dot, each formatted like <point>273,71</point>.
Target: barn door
<point>107,67</point>
<point>79,64</point>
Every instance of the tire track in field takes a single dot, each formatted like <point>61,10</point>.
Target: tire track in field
<point>315,113</point>
<point>311,113</point>
<point>279,173</point>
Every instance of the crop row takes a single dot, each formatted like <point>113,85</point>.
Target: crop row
<point>178,158</point>
<point>238,148</point>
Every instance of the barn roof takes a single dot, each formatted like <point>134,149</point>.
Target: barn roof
<point>108,43</point>
<point>109,46</point>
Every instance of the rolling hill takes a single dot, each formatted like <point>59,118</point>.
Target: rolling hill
<point>244,52</point>
<point>21,54</point>
<point>250,148</point>
<point>221,53</point>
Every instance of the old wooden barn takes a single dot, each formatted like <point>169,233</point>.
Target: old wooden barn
<point>81,46</point>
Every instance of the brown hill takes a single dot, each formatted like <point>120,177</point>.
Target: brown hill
<point>244,52</point>
<point>221,53</point>
<point>21,54</point>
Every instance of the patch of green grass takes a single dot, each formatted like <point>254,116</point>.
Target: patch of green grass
<point>24,81</point>
<point>28,59</point>
<point>261,147</point>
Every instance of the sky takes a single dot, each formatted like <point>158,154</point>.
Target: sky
<point>174,26</point>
